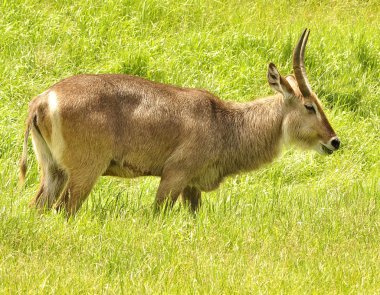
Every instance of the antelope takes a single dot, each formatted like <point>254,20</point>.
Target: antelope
<point>88,126</point>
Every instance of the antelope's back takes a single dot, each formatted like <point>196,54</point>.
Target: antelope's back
<point>123,116</point>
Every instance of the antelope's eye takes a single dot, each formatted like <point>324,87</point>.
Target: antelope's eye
<point>310,108</point>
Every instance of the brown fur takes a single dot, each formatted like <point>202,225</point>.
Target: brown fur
<point>127,126</point>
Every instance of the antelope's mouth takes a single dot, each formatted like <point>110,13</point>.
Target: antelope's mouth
<point>326,150</point>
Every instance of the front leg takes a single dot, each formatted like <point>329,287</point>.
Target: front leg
<point>171,185</point>
<point>192,197</point>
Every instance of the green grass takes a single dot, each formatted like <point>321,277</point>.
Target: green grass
<point>305,224</point>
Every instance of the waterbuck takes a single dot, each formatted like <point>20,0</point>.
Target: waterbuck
<point>87,126</point>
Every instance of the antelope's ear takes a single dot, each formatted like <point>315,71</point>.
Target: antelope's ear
<point>279,83</point>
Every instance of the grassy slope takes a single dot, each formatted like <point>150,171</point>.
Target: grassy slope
<point>304,224</point>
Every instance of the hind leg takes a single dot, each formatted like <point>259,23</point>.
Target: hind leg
<point>192,197</point>
<point>52,183</point>
<point>79,186</point>
<point>53,178</point>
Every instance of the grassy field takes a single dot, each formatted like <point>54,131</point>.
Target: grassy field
<point>305,224</point>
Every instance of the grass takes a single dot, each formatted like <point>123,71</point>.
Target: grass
<point>305,224</point>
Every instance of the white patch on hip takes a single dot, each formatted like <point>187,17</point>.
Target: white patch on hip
<point>57,141</point>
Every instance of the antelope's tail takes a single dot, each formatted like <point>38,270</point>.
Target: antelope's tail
<point>24,157</point>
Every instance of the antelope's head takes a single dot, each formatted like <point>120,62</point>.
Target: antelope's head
<point>305,124</point>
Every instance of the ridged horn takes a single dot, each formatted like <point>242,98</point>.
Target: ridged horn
<point>299,66</point>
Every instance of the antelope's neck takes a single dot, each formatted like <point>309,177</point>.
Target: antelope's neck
<point>259,133</point>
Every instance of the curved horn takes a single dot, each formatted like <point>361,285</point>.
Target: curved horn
<point>298,64</point>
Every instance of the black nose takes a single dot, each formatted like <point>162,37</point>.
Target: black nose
<point>335,142</point>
